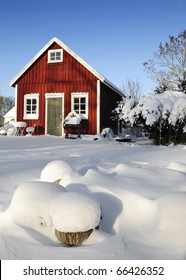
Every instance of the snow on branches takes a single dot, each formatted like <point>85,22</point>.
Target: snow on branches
<point>156,111</point>
<point>152,108</point>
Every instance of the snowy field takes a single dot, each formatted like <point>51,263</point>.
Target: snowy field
<point>141,190</point>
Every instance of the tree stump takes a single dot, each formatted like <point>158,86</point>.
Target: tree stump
<point>72,238</point>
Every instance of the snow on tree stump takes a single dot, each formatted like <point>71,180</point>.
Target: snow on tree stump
<point>74,217</point>
<point>73,238</point>
<point>68,216</point>
<point>56,170</point>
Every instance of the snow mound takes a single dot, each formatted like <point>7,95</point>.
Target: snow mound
<point>57,170</point>
<point>121,168</point>
<point>177,166</point>
<point>143,205</point>
<point>138,211</point>
<point>46,207</point>
<point>171,219</point>
<point>31,203</point>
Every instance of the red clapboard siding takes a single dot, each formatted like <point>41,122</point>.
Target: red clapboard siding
<point>66,77</point>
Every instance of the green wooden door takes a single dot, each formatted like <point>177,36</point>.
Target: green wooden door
<point>54,116</point>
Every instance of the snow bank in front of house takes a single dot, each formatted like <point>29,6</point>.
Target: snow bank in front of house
<point>178,166</point>
<point>171,225</point>
<point>163,218</point>
<point>143,202</point>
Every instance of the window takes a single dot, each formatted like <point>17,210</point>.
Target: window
<point>80,103</point>
<point>31,106</point>
<point>55,56</point>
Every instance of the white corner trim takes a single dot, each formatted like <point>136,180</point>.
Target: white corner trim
<point>98,105</point>
<point>16,101</point>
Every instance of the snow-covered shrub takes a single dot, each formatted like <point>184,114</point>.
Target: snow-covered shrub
<point>121,112</point>
<point>124,107</point>
<point>163,115</point>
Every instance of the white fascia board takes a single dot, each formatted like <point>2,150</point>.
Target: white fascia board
<point>12,82</point>
<point>98,106</point>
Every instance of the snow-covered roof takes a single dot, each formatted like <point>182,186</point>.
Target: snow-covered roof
<point>73,54</point>
<point>10,114</point>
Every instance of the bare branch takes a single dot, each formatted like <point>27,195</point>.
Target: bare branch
<point>169,64</point>
<point>133,89</point>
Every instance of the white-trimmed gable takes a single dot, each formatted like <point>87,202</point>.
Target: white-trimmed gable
<point>74,55</point>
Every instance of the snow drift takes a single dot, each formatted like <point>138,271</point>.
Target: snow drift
<point>47,207</point>
<point>141,190</point>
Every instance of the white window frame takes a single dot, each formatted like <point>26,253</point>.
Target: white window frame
<point>32,115</point>
<point>55,60</point>
<point>79,95</point>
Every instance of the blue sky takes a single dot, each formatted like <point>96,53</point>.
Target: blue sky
<point>114,36</point>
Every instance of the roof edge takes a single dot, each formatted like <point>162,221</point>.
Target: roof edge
<point>112,86</point>
<point>66,48</point>
<point>78,58</point>
<point>25,68</point>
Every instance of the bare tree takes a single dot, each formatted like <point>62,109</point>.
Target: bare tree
<point>168,68</point>
<point>133,89</point>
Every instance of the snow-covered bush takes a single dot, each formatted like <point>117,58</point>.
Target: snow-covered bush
<point>163,115</point>
<point>121,112</point>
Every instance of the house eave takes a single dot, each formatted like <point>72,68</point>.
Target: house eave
<point>113,87</point>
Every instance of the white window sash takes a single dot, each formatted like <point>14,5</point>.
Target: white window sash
<point>32,115</point>
<point>79,95</point>
<point>55,56</point>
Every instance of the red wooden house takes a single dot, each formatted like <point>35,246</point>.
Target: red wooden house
<point>57,81</point>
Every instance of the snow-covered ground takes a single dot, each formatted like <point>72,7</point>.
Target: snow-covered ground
<point>141,190</point>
